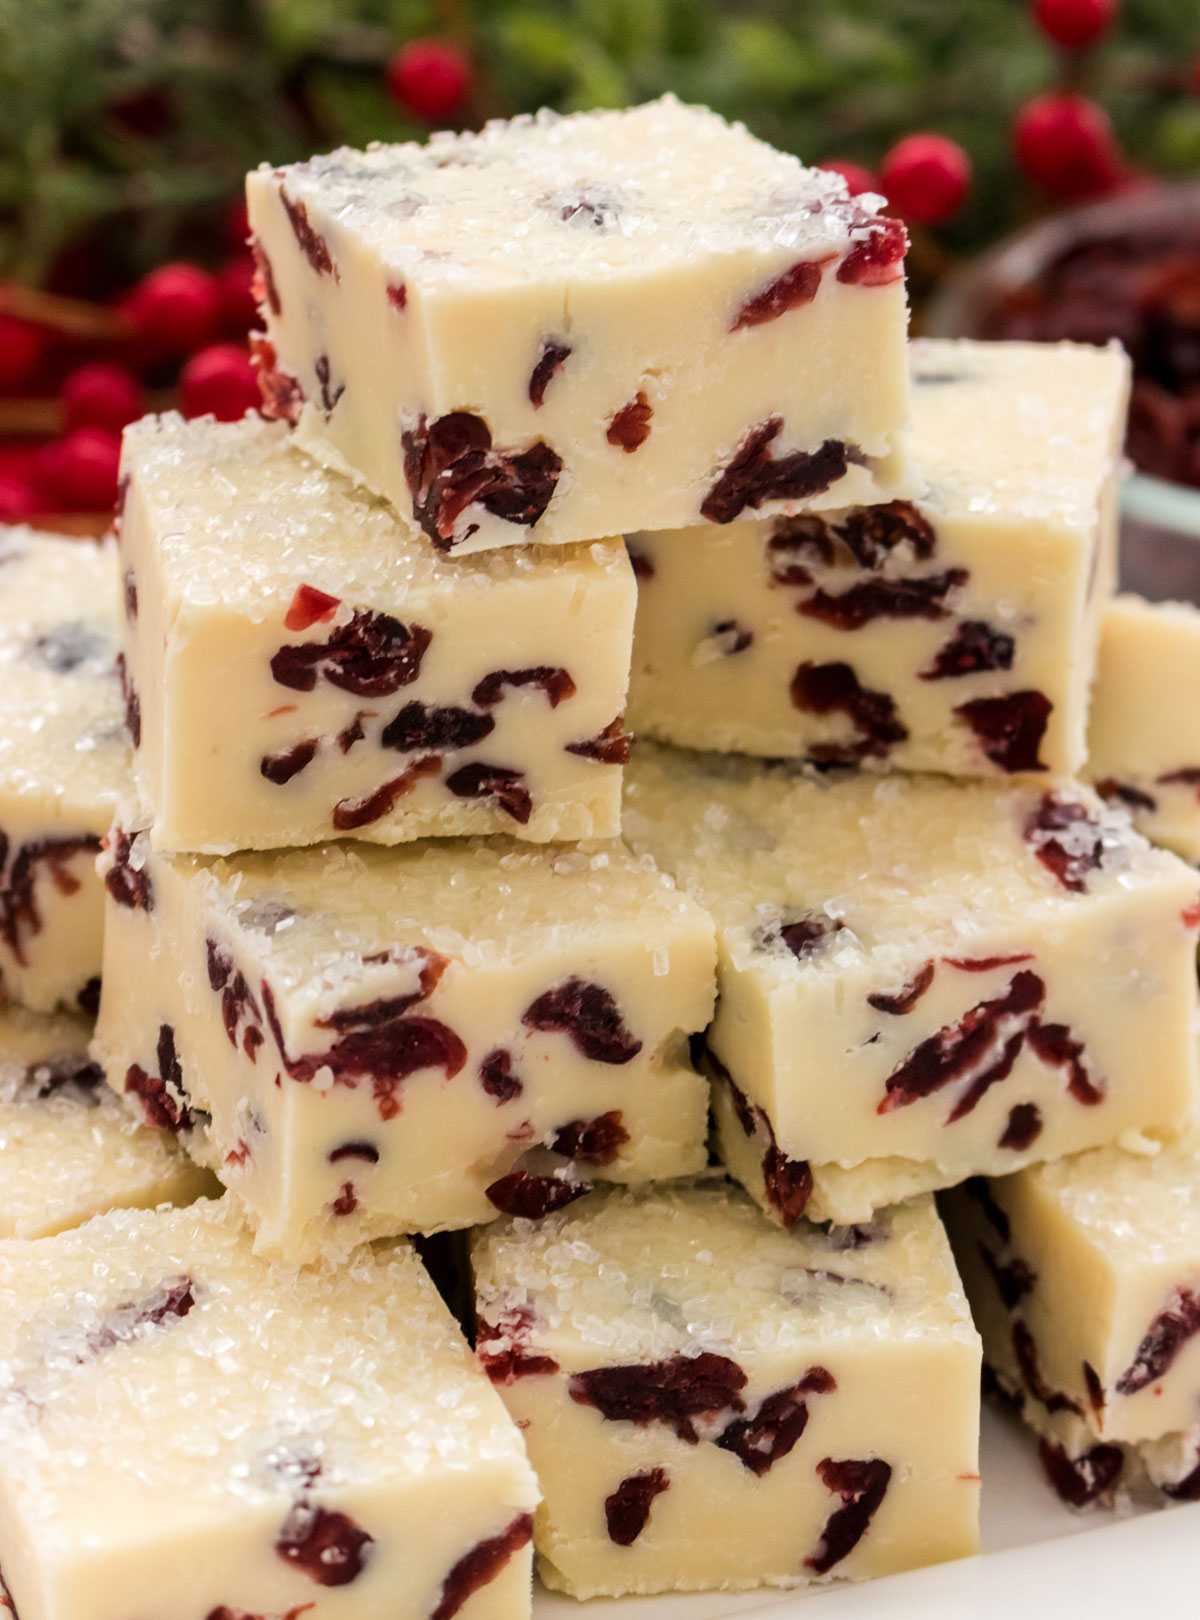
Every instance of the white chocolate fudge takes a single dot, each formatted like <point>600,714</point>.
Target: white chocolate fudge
<point>307,667</point>
<point>186,1431</point>
<point>955,634</point>
<point>64,762</point>
<point>559,328</point>
<point>1084,1279</point>
<point>920,979</point>
<point>1144,730</point>
<point>711,1402</point>
<point>361,1042</point>
<point>69,1148</point>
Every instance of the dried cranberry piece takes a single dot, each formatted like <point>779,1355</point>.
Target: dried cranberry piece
<point>531,1197</point>
<point>1124,793</point>
<point>973,647</point>
<point>366,1151</point>
<point>1054,1046</point>
<point>310,606</point>
<point>977,1189</point>
<point>1081,1480</point>
<point>753,476</point>
<point>834,688</point>
<point>372,656</point>
<point>419,725</point>
<point>131,596</point>
<point>499,782</point>
<point>982,1046</point>
<point>793,289</point>
<point>1095,1389</point>
<point>312,244</point>
<point>876,260</point>
<point>872,533</point>
<point>643,568</point>
<point>903,1001</point>
<point>630,427</point>
<point>20,915</point>
<point>862,1486</point>
<point>349,814</point>
<point>497,1078</point>
<point>985,964</point>
<point>589,1015</point>
<point>760,1441</point>
<point>1025,1350</point>
<point>1010,729</point>
<point>1013,1280</point>
<point>1023,1128</point>
<point>163,1096</point>
<point>397,295</point>
<point>133,704</point>
<point>555,683</point>
<point>329,394</point>
<point>280,768</point>
<point>1186,776</point>
<point>127,886</point>
<point>731,637</point>
<point>450,464</point>
<point>282,395</point>
<point>551,359</point>
<point>595,1141</point>
<point>627,1510</point>
<point>881,598</point>
<point>1165,1338</point>
<point>328,1547</point>
<point>353,733</point>
<point>264,289</point>
<point>1066,839</point>
<point>173,1301</point>
<point>481,1565</point>
<point>611,747</point>
<point>804,936</point>
<point>226,1613</point>
<point>503,1347</point>
<point>346,1201</point>
<point>792,538</point>
<point>88,998</point>
<point>677,1391</point>
<point>787,1183</point>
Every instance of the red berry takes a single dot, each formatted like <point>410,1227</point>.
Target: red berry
<point>101,395</point>
<point>176,307</point>
<point>926,177</point>
<point>22,346</point>
<point>79,472</point>
<point>18,499</point>
<point>430,78</point>
<point>220,382</point>
<point>239,307</point>
<point>1066,144</point>
<point>1074,24</point>
<point>856,177</point>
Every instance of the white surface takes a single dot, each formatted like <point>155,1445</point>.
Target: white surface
<point>1040,1560</point>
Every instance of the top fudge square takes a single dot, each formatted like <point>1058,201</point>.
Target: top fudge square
<point>559,328</point>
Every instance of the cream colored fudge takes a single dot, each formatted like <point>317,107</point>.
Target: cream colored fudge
<point>564,327</point>
<point>920,980</point>
<point>1084,1279</point>
<point>711,1402</point>
<point>307,667</point>
<point>1144,732</point>
<point>64,761</point>
<point>186,1431</point>
<point>362,1042</point>
<point>69,1148</point>
<point>955,634</point>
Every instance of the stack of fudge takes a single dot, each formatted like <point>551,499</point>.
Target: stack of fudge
<point>317,785</point>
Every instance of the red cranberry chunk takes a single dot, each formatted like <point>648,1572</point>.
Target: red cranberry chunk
<point>326,1546</point>
<point>973,647</point>
<point>88,998</point>
<point>504,1351</point>
<point>985,964</point>
<point>630,427</point>
<point>589,1015</point>
<point>787,1183</point>
<point>595,1141</point>
<point>977,1189</point>
<point>732,637</point>
<point>1095,1389</point>
<point>904,1000</point>
<point>1186,1489</point>
<point>20,914</point>
<point>804,936</point>
<point>877,259</point>
<point>627,1510</point>
<point>1081,1480</point>
<point>530,1197</point>
<point>1023,1128</point>
<point>163,1096</point>
<point>1132,798</point>
<point>499,782</point>
<point>497,1078</point>
<point>1025,1350</point>
<point>481,1565</point>
<point>753,476</point>
<point>1010,729</point>
<point>171,1303</point>
<point>346,1201</point>
<point>372,656</point>
<point>806,537</point>
<point>1013,1280</point>
<point>643,568</point>
<point>349,814</point>
<point>1054,1046</point>
<point>1186,776</point>
<point>555,683</point>
<point>263,287</point>
<point>551,360</point>
<point>131,596</point>
<point>280,768</point>
<point>862,1486</point>
<point>133,704</point>
<point>835,689</point>
<point>366,1151</point>
<point>397,295</point>
<point>420,726</point>
<point>312,244</point>
<point>872,533</point>
<point>760,1441</point>
<point>793,289</point>
<point>282,395</point>
<point>126,884</point>
<point>1165,1338</point>
<point>450,465</point>
<point>880,598</point>
<point>676,1392</point>
<point>329,394</point>
<point>1066,839</point>
<point>310,606</point>
<point>611,747</point>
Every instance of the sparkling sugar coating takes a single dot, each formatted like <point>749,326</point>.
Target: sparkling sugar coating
<point>69,1149</point>
<point>306,666</point>
<point>192,1431</point>
<point>919,979</point>
<point>64,760</point>
<point>565,327</point>
<point>710,1401</point>
<point>956,633</point>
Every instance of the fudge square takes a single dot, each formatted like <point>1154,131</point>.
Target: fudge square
<point>559,328</point>
<point>1084,1278</point>
<point>709,1401</point>
<point>188,1431</point>
<point>70,1148</point>
<point>955,634</point>
<point>64,761</point>
<point>1144,731</point>
<point>307,667</point>
<point>920,979</point>
<point>362,1042</point>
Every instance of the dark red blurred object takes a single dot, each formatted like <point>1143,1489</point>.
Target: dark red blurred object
<point>925,177</point>
<point>18,499</point>
<point>1074,24</point>
<point>78,473</point>
<point>221,382</point>
<point>22,345</point>
<point>176,307</point>
<point>856,177</point>
<point>430,78</point>
<point>1065,144</point>
<point>101,395</point>
<point>239,307</point>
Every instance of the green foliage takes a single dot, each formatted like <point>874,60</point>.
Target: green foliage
<point>125,125</point>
